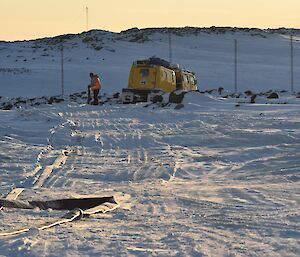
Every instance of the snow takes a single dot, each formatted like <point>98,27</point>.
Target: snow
<point>218,177</point>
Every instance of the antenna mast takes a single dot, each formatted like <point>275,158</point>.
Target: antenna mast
<point>292,65</point>
<point>235,66</point>
<point>62,68</point>
<point>170,46</point>
<point>87,18</point>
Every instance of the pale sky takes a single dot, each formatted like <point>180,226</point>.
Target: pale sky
<point>29,19</point>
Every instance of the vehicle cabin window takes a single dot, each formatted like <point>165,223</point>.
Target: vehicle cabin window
<point>169,77</point>
<point>192,81</point>
<point>144,73</point>
<point>165,76</point>
<point>185,79</point>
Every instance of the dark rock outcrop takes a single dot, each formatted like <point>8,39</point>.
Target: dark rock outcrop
<point>273,95</point>
<point>176,97</point>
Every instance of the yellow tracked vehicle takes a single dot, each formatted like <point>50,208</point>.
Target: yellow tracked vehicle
<point>156,76</point>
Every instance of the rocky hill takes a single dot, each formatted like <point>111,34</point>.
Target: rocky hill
<point>33,68</point>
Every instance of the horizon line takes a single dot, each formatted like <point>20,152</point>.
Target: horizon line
<point>147,28</point>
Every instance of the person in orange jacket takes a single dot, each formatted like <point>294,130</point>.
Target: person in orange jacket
<point>95,86</point>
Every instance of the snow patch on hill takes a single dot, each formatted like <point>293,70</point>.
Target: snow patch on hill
<point>32,68</point>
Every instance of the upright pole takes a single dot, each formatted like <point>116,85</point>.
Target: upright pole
<point>235,66</point>
<point>87,18</point>
<point>170,46</point>
<point>292,65</point>
<point>62,69</point>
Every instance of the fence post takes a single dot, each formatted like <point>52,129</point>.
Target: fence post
<point>235,66</point>
<point>170,45</point>
<point>292,65</point>
<point>62,69</point>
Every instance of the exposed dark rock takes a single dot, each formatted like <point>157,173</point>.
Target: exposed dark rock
<point>75,95</point>
<point>20,101</point>
<point>98,48</point>
<point>179,106</point>
<point>116,95</point>
<point>7,106</point>
<point>252,101</point>
<point>210,91</point>
<point>132,30</point>
<point>273,95</point>
<point>248,93</point>
<point>87,40</point>
<point>54,99</point>
<point>176,97</point>
<point>157,99</point>
<point>139,38</point>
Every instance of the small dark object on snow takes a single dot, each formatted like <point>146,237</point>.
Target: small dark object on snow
<point>252,101</point>
<point>179,106</point>
<point>157,99</point>
<point>54,99</point>
<point>176,97</point>
<point>20,101</point>
<point>210,91</point>
<point>248,93</point>
<point>7,106</point>
<point>116,95</point>
<point>273,95</point>
<point>62,204</point>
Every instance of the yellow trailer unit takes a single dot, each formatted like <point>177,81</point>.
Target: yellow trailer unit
<point>186,80</point>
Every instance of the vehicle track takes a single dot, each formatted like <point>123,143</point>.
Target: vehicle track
<point>198,187</point>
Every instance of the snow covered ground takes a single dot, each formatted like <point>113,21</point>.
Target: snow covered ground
<point>215,178</point>
<point>211,177</point>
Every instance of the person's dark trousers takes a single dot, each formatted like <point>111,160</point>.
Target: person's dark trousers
<point>96,100</point>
